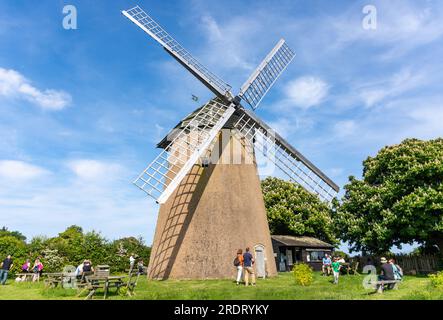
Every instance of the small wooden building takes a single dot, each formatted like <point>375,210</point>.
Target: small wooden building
<point>289,250</point>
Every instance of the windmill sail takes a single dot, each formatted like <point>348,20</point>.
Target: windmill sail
<point>166,171</point>
<point>291,162</point>
<point>153,29</point>
<point>262,79</point>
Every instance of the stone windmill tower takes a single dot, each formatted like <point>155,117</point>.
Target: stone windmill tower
<point>205,178</point>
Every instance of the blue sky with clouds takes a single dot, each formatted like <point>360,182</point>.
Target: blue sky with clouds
<point>81,110</point>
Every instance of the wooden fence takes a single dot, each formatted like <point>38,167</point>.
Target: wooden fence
<point>411,264</point>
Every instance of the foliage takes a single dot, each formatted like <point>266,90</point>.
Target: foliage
<point>52,261</point>
<point>399,200</point>
<point>5,232</point>
<point>437,280</point>
<point>303,273</point>
<point>294,211</point>
<point>71,247</point>
<point>341,254</point>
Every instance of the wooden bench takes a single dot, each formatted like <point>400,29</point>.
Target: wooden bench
<point>380,285</point>
<point>53,279</point>
<point>26,276</point>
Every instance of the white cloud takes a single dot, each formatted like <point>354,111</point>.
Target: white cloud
<point>227,41</point>
<point>402,26</point>
<point>14,85</point>
<point>307,91</point>
<point>345,128</point>
<point>87,169</point>
<point>15,170</point>
<point>398,84</point>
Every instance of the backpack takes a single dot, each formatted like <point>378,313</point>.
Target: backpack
<point>236,262</point>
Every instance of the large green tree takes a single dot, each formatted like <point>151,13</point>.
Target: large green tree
<point>292,210</point>
<point>399,200</point>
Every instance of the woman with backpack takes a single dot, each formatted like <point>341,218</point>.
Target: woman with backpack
<point>238,263</point>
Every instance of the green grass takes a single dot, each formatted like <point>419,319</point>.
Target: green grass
<point>282,287</point>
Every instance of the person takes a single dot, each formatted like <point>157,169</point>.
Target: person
<point>37,268</point>
<point>79,271</point>
<point>87,267</point>
<point>398,271</point>
<point>131,262</point>
<point>386,272</point>
<point>248,262</point>
<point>336,269</point>
<point>326,266</point>
<point>238,263</point>
<point>140,267</point>
<point>26,268</point>
<point>4,269</point>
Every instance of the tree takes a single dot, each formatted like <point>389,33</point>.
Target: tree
<point>399,200</point>
<point>5,232</point>
<point>294,211</point>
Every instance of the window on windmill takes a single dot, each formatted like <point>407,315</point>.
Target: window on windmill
<point>204,162</point>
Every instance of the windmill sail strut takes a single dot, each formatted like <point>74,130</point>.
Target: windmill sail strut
<point>199,134</point>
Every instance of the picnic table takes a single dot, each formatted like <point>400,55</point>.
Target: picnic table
<point>54,279</point>
<point>26,276</point>
<point>93,283</point>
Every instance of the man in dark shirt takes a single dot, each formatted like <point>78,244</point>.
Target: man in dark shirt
<point>387,272</point>
<point>248,261</point>
<point>5,267</point>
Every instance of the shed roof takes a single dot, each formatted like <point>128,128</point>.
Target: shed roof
<point>302,241</point>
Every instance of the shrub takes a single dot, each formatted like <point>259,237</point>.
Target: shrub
<point>303,274</point>
<point>437,279</point>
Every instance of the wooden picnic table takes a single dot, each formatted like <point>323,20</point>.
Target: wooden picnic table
<point>54,279</point>
<point>26,276</point>
<point>102,282</point>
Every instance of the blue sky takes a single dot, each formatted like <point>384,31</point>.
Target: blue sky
<point>81,110</point>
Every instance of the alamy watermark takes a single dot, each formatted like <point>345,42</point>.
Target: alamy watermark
<point>369,21</point>
<point>70,19</point>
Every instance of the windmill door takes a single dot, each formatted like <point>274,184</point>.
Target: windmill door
<point>260,261</point>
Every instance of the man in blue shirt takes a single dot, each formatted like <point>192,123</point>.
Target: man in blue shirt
<point>5,266</point>
<point>326,267</point>
<point>248,261</point>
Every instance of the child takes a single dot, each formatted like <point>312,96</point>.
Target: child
<point>336,269</point>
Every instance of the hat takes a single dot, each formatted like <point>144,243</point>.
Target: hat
<point>383,260</point>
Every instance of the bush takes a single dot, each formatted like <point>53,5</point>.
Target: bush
<point>303,274</point>
<point>437,279</point>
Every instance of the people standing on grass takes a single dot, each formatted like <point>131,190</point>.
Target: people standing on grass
<point>248,262</point>
<point>336,269</point>
<point>6,265</point>
<point>238,263</point>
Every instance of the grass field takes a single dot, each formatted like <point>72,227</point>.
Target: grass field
<point>282,287</point>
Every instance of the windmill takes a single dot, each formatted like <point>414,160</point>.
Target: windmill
<point>209,209</point>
